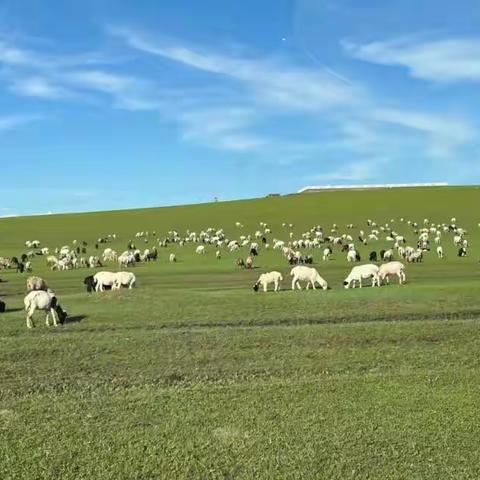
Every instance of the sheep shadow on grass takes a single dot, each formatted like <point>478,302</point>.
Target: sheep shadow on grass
<point>14,310</point>
<point>75,319</point>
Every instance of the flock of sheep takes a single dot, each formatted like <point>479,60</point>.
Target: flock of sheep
<point>302,273</point>
<point>331,243</point>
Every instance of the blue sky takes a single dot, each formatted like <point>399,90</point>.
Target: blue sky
<point>110,104</point>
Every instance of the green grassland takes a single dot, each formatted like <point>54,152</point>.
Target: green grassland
<point>192,375</point>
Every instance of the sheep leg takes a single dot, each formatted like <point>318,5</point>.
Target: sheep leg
<point>47,322</point>
<point>360,282</point>
<point>54,316</point>
<point>30,323</point>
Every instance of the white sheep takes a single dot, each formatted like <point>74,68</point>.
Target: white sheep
<point>93,261</point>
<point>440,251</point>
<point>306,274</point>
<point>361,272</point>
<point>392,268</point>
<point>266,279</point>
<point>36,283</point>
<point>351,256</point>
<point>124,279</point>
<point>109,255</point>
<point>172,258</point>
<point>327,252</point>
<point>200,250</point>
<point>103,279</point>
<point>46,301</point>
<point>52,260</point>
<point>388,255</point>
<point>125,259</point>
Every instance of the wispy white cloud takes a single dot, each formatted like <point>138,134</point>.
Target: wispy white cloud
<point>17,56</point>
<point>225,128</point>
<point>256,92</point>
<point>353,172</point>
<point>446,133</point>
<point>280,88</point>
<point>39,87</point>
<point>10,122</point>
<point>278,85</point>
<point>444,60</point>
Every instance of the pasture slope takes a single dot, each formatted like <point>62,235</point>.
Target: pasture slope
<point>194,376</point>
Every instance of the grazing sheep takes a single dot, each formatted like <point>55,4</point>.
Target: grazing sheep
<point>240,263</point>
<point>218,255</point>
<point>36,283</point>
<point>110,255</point>
<point>373,256</point>
<point>306,274</point>
<point>52,260</point>
<point>388,255</point>
<point>327,252</point>
<point>126,259</point>
<point>46,301</point>
<point>172,258</point>
<point>200,250</point>
<point>440,251</point>
<point>103,279</point>
<point>266,279</point>
<point>94,262</point>
<point>249,262</point>
<point>353,256</point>
<point>392,268</point>
<point>90,283</point>
<point>124,279</point>
<point>361,272</point>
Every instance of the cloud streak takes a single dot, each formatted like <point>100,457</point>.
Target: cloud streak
<point>280,86</point>
<point>256,93</point>
<point>11,122</point>
<point>446,133</point>
<point>441,61</point>
<point>353,172</point>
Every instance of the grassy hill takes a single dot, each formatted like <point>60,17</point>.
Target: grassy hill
<point>193,375</point>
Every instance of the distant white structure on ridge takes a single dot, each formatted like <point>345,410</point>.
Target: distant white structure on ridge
<point>320,188</point>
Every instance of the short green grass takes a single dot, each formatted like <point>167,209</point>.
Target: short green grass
<point>192,375</point>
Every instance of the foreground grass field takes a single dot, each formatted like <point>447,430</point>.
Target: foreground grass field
<point>192,375</point>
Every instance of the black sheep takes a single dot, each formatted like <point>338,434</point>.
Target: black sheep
<point>90,283</point>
